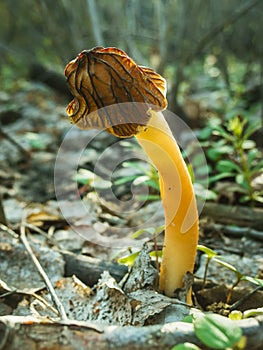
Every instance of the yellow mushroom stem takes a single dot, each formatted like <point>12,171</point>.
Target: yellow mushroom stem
<point>180,210</point>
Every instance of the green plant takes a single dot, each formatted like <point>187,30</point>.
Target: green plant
<point>35,141</point>
<point>141,176</point>
<point>130,258</point>
<point>209,255</point>
<point>147,176</point>
<point>212,255</point>
<point>215,332</point>
<point>90,180</point>
<point>233,155</point>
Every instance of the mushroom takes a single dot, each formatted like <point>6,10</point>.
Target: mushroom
<point>108,77</point>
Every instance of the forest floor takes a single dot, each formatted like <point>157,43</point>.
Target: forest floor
<point>75,244</point>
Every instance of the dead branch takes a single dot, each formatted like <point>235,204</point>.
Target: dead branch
<point>7,229</point>
<point>19,293</point>
<point>89,270</point>
<point>19,332</point>
<point>49,77</point>
<point>237,215</point>
<point>41,271</point>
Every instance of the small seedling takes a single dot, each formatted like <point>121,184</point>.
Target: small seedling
<point>212,255</point>
<point>129,259</point>
<point>209,255</point>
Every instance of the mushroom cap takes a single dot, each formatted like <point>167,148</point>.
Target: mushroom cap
<point>112,92</point>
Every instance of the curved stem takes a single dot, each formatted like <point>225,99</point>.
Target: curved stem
<point>181,217</point>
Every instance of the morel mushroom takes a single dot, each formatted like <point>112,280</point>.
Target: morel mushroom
<point>105,77</point>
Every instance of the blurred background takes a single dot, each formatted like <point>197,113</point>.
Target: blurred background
<point>209,51</point>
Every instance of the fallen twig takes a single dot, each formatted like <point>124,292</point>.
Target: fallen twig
<point>9,230</point>
<point>245,297</point>
<point>234,215</point>
<point>89,269</point>
<point>10,291</point>
<point>41,271</point>
<point>41,232</point>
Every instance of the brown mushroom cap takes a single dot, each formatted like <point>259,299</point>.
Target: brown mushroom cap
<point>107,77</point>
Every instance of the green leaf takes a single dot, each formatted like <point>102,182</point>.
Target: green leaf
<point>136,165</point>
<point>81,179</point>
<point>251,155</point>
<point>188,319</point>
<point>244,199</point>
<point>254,280</point>
<point>35,140</point>
<point>258,166</point>
<point>159,229</point>
<point>258,198</point>
<point>205,133</point>
<point>235,315</point>
<point>101,184</point>
<point>151,230</point>
<point>236,125</point>
<point>140,180</point>
<point>220,176</point>
<point>153,184</point>
<point>229,267</point>
<point>155,253</point>
<point>216,331</point>
<point>186,346</point>
<point>202,192</point>
<point>220,131</point>
<point>253,312</point>
<point>248,144</point>
<point>243,183</point>
<point>141,231</point>
<point>148,197</point>
<point>191,172</point>
<point>253,127</point>
<point>216,152</point>
<point>226,166</point>
<point>209,252</point>
<point>85,176</point>
<point>129,259</point>
<point>124,180</point>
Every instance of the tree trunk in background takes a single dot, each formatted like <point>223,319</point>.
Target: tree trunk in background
<point>95,23</point>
